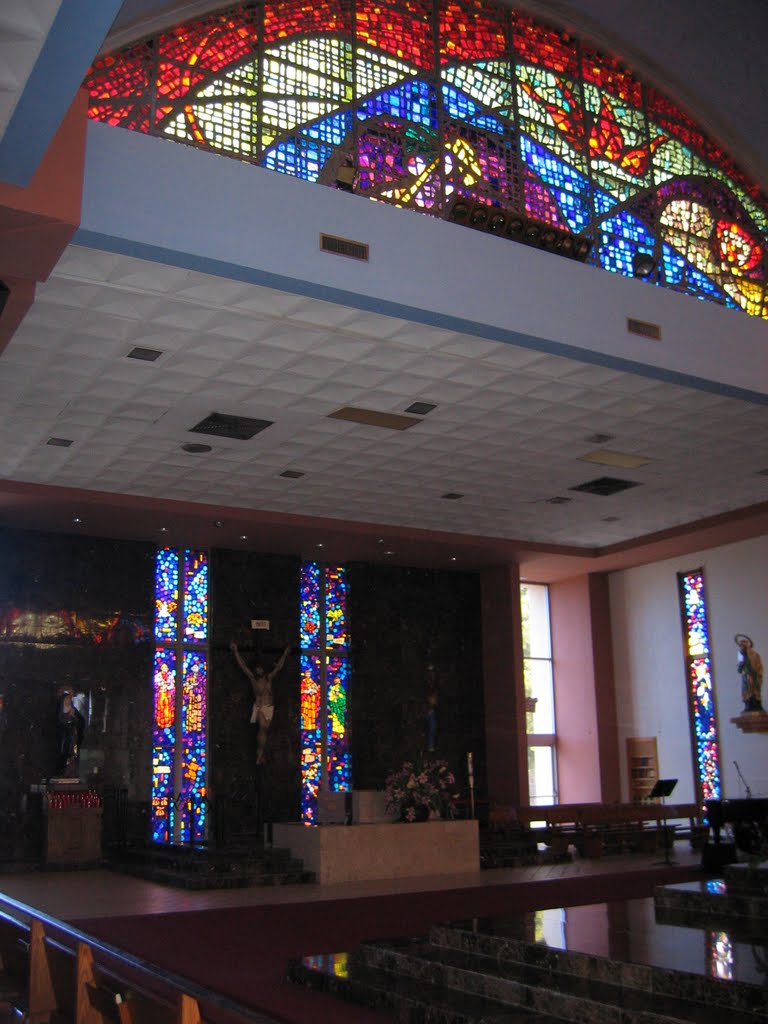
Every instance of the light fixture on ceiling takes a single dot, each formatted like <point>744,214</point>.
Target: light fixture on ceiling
<point>452,496</point>
<point>599,438</point>
<point>643,265</point>
<point>76,520</point>
<point>238,428</point>
<point>59,442</point>
<point>163,529</point>
<point>243,536</point>
<point>196,449</point>
<point>374,418</point>
<point>218,524</point>
<point>559,499</point>
<point>605,486</point>
<point>291,474</point>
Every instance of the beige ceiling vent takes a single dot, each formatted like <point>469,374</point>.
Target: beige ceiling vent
<point>644,329</point>
<point>374,418</point>
<point>344,247</point>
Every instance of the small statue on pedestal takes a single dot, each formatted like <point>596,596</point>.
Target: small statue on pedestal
<point>69,736</point>
<point>750,668</point>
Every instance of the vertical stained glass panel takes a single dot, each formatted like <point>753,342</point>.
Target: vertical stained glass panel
<point>166,593</point>
<point>336,607</point>
<point>192,802</point>
<point>337,757</point>
<point>701,695</point>
<point>163,744</point>
<point>195,622</point>
<point>309,611</point>
<point>311,736</point>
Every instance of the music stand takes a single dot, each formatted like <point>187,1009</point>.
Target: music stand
<point>664,788</point>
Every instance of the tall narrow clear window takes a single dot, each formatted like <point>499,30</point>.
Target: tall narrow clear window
<point>539,694</point>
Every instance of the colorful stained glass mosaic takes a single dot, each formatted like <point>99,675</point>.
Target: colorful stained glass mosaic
<point>311,736</point>
<point>163,744</point>
<point>166,594</point>
<point>701,695</point>
<point>325,672</point>
<point>192,797</point>
<point>195,620</point>
<point>179,734</point>
<point>428,101</point>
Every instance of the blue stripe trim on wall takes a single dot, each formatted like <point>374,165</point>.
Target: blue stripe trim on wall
<point>371,304</point>
<point>76,35</point>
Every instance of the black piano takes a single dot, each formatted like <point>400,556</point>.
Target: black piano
<point>747,815</point>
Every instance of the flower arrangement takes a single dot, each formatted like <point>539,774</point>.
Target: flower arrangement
<point>421,786</point>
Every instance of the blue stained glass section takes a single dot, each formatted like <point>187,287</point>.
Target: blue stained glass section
<point>460,107</point>
<point>621,238</point>
<point>413,101</point>
<point>332,130</point>
<point>302,161</point>
<point>571,189</point>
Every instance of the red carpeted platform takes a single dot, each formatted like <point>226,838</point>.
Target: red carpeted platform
<point>242,952</point>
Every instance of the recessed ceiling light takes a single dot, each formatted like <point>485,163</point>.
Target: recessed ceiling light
<point>76,519</point>
<point>149,355</point>
<point>243,536</point>
<point>606,457</point>
<point>163,529</point>
<point>319,544</point>
<point>59,442</point>
<point>238,428</point>
<point>453,558</point>
<point>388,552</point>
<point>218,524</point>
<point>196,449</point>
<point>420,408</point>
<point>559,499</point>
<point>452,496</point>
<point>291,474</point>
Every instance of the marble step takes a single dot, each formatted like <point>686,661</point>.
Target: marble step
<point>731,996</point>
<point>409,1001</point>
<point>544,990</point>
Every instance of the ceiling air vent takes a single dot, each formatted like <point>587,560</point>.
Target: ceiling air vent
<point>605,486</point>
<point>644,329</point>
<point>344,247</point>
<point>239,428</point>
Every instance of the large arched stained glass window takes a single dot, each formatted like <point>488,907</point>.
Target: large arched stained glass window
<point>432,102</point>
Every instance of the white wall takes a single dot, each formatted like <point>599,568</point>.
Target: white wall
<point>649,667</point>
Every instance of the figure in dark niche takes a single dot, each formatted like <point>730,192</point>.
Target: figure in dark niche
<point>750,668</point>
<point>69,736</point>
<point>263,709</point>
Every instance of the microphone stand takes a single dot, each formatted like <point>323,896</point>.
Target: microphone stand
<point>747,790</point>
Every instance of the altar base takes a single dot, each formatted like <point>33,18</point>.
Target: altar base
<point>357,853</point>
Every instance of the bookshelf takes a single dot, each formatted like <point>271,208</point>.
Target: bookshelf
<point>643,764</point>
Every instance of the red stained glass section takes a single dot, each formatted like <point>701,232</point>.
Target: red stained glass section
<point>306,18</point>
<point>403,30</point>
<point>119,88</point>
<point>606,73</point>
<point>538,44</point>
<point>471,31</point>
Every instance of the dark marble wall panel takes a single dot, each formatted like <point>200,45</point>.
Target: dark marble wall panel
<point>246,586</point>
<point>75,612</point>
<point>414,630</point>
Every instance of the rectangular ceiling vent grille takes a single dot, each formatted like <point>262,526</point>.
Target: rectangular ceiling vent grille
<point>644,329</point>
<point>344,247</point>
<point>239,428</point>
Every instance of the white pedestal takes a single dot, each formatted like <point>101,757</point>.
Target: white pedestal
<point>356,853</point>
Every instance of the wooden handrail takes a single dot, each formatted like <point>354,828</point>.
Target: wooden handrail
<point>61,974</point>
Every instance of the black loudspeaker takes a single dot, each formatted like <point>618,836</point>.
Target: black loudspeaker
<point>715,856</point>
<point>5,291</point>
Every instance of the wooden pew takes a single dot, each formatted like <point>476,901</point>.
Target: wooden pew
<point>595,828</point>
<point>48,972</point>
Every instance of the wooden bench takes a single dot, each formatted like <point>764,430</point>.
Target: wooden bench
<point>48,972</point>
<point>595,828</point>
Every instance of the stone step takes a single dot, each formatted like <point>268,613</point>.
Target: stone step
<point>646,979</point>
<point>543,989</point>
<point>408,1000</point>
